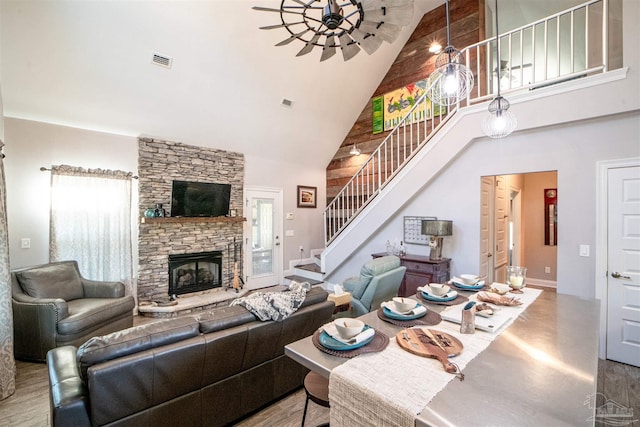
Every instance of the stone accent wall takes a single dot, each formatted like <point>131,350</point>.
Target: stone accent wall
<point>159,164</point>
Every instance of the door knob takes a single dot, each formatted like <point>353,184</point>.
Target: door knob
<point>617,275</point>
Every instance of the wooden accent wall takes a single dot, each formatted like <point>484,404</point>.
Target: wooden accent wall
<point>414,63</point>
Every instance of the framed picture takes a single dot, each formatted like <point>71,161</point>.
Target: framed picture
<point>413,230</point>
<point>307,196</point>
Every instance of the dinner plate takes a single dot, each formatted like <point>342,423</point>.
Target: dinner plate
<point>449,296</point>
<point>331,343</point>
<point>475,287</point>
<point>397,316</point>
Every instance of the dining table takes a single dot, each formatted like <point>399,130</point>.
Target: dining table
<point>541,369</point>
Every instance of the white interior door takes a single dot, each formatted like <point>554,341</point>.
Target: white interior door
<point>263,248</point>
<point>623,283</point>
<point>486,228</point>
<point>501,252</point>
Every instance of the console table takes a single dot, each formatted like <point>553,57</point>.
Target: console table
<point>421,271</point>
<point>539,371</point>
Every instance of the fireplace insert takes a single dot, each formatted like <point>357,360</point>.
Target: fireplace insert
<point>194,272</point>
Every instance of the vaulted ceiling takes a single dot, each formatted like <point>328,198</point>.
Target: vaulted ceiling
<point>88,64</point>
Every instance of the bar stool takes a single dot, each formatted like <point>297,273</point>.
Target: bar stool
<point>317,389</point>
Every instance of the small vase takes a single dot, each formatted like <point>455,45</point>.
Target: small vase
<point>150,213</point>
<point>159,211</point>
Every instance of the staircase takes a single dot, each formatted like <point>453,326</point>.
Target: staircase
<point>540,54</point>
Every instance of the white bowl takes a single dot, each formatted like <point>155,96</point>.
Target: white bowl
<point>469,279</point>
<point>348,327</point>
<point>403,304</point>
<point>439,289</point>
<point>501,288</point>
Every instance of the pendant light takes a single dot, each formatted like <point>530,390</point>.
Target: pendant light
<point>355,151</point>
<point>452,80</point>
<point>500,122</point>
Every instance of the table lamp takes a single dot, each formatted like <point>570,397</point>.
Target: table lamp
<point>436,229</point>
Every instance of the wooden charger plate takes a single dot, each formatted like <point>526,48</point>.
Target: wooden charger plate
<point>432,343</point>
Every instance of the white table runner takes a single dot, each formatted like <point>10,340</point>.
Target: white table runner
<point>391,387</point>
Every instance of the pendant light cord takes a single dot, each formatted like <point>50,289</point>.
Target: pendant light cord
<point>498,61</point>
<point>448,35</point>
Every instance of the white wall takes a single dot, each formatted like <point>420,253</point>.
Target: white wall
<point>307,222</point>
<point>30,145</point>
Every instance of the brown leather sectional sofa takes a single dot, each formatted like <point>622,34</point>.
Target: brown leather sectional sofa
<point>206,370</point>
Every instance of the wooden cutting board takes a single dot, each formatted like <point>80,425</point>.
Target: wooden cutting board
<point>431,343</point>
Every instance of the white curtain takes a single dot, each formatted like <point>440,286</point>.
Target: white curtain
<point>7,363</point>
<point>91,221</point>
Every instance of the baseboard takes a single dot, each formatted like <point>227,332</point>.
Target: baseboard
<point>542,283</point>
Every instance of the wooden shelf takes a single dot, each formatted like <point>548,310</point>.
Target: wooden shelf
<point>185,220</point>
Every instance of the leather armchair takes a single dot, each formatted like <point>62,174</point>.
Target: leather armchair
<point>379,281</point>
<point>53,305</point>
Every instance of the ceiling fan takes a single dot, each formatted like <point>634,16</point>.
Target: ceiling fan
<point>349,26</point>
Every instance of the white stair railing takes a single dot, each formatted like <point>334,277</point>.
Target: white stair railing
<point>564,46</point>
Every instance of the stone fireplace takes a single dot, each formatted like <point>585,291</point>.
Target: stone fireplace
<point>159,164</point>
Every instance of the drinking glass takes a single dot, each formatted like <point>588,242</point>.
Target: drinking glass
<point>516,277</point>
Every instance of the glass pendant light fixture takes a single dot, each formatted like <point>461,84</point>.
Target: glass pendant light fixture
<point>355,151</point>
<point>500,122</point>
<point>452,79</point>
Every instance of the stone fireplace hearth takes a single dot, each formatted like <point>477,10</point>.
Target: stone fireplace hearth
<point>159,163</point>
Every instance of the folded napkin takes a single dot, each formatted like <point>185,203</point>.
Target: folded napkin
<point>331,330</point>
<point>413,312</point>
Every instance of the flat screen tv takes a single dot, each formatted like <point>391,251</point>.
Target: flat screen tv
<point>193,199</point>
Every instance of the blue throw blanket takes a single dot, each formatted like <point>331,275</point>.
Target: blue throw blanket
<point>274,305</point>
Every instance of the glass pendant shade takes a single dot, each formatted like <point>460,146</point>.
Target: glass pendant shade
<point>452,81</point>
<point>500,122</point>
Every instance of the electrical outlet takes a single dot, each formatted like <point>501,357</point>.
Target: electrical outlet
<point>547,270</point>
<point>25,243</point>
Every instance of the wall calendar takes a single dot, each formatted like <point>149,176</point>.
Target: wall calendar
<point>413,230</point>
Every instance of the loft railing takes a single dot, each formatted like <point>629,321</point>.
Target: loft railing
<point>564,46</point>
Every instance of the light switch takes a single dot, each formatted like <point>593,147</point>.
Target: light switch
<point>584,250</point>
<point>289,215</point>
<point>289,233</point>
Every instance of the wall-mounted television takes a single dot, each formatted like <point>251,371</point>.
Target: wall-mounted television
<point>206,199</point>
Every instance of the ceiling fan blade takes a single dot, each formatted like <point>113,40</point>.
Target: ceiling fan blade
<point>271,27</point>
<point>368,44</point>
<point>349,49</point>
<point>387,32</point>
<point>329,48</point>
<point>292,38</point>
<point>392,15</point>
<point>310,45</point>
<point>268,9</point>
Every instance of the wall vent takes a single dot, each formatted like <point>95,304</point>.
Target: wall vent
<point>161,60</point>
<point>287,103</point>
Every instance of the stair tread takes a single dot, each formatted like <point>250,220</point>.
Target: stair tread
<point>299,279</point>
<point>310,267</point>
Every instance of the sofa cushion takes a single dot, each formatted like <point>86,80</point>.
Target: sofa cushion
<point>87,313</point>
<point>59,280</point>
<point>134,340</point>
